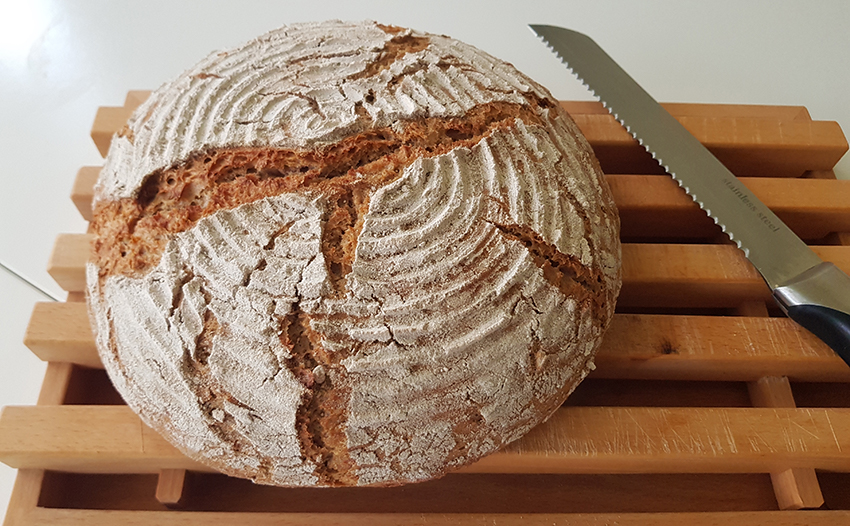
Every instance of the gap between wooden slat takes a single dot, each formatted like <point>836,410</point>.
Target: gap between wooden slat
<point>72,517</point>
<point>636,346</point>
<point>112,439</point>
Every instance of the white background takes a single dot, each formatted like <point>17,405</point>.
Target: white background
<point>59,61</point>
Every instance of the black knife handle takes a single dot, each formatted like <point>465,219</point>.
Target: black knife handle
<point>830,325</point>
<point>819,300</point>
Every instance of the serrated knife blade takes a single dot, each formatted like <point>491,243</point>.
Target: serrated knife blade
<point>814,293</point>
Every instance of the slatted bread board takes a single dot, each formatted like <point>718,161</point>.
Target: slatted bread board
<point>707,406</point>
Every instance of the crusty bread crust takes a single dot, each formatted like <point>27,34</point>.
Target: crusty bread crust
<point>350,254</point>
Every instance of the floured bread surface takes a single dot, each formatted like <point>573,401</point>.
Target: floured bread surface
<point>350,254</point>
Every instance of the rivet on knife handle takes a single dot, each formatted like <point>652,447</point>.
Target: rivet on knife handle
<point>813,293</point>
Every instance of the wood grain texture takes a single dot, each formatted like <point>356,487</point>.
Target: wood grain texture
<point>61,332</point>
<point>771,391</point>
<point>797,489</point>
<point>637,346</point>
<point>107,439</point>
<point>112,439</point>
<point>665,347</point>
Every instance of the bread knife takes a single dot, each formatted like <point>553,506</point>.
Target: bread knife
<point>813,293</point>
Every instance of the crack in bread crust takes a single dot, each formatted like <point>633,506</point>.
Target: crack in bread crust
<point>393,50</point>
<point>320,419</point>
<point>563,271</point>
<point>343,223</point>
<point>132,233</point>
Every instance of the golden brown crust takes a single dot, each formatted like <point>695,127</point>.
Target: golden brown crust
<point>426,290</point>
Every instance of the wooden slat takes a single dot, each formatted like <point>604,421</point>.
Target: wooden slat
<point>83,190</point>
<point>135,98</point>
<point>112,439</point>
<point>654,275</point>
<point>577,439</point>
<point>61,332</point>
<point>771,391</point>
<point>108,121</point>
<point>76,297</point>
<point>747,145</point>
<point>90,439</point>
<point>666,275</point>
<point>67,263</point>
<point>73,517</point>
<point>661,347</point>
<point>795,488</point>
<point>24,498</point>
<point>170,486</point>
<point>636,346</point>
<point>655,207</point>
<point>55,383</point>
<point>674,440</point>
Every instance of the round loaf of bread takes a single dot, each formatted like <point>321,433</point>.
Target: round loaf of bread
<point>350,254</point>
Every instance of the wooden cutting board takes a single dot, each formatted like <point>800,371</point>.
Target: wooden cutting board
<point>707,406</point>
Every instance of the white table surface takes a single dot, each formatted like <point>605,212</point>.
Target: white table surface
<point>59,61</point>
